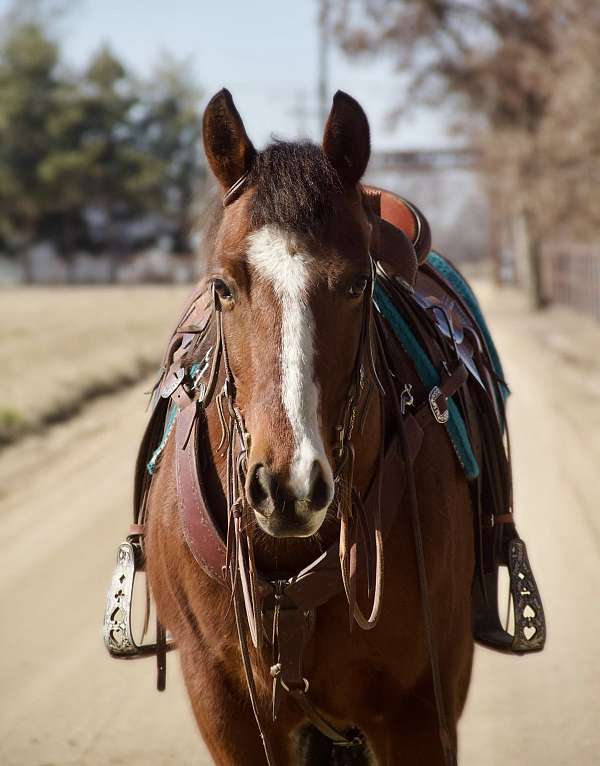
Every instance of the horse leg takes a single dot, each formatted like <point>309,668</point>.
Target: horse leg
<point>410,735</point>
<point>315,749</point>
<point>224,714</point>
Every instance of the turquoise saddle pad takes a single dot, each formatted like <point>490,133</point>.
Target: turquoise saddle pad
<point>427,373</point>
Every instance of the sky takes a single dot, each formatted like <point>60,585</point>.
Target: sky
<point>264,51</point>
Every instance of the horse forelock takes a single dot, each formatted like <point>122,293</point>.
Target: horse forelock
<point>291,185</point>
<point>295,187</point>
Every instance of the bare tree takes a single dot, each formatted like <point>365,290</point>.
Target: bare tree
<point>520,73</point>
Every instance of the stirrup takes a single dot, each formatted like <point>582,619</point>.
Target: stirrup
<point>117,630</point>
<point>528,611</point>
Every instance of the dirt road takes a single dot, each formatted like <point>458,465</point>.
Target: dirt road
<point>65,502</point>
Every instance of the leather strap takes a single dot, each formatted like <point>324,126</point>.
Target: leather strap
<point>425,414</point>
<point>504,518</point>
<point>446,742</point>
<point>201,534</point>
<point>292,603</point>
<point>161,656</point>
<point>423,417</point>
<point>337,737</point>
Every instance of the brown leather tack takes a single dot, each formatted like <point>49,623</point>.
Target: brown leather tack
<point>401,242</point>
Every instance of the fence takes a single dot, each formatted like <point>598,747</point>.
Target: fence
<point>43,265</point>
<point>570,275</point>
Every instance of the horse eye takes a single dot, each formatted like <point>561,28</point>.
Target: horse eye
<point>358,286</point>
<point>223,289</point>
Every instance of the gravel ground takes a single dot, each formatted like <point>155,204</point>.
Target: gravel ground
<point>65,502</point>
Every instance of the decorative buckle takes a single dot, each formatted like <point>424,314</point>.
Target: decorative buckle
<point>198,370</point>
<point>438,414</point>
<point>406,398</point>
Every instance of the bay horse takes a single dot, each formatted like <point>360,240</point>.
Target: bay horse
<point>292,466</point>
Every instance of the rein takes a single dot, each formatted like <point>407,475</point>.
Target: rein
<point>351,510</point>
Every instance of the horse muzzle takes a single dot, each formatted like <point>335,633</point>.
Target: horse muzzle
<point>283,511</point>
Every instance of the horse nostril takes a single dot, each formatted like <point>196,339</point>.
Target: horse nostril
<point>257,487</point>
<point>320,490</point>
<point>269,495</point>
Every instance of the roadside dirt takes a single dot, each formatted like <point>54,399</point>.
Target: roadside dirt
<point>65,502</point>
<point>62,346</point>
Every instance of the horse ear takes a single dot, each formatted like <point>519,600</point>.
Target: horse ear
<point>346,140</point>
<point>228,149</point>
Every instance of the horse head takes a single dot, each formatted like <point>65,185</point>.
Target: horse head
<point>290,266</point>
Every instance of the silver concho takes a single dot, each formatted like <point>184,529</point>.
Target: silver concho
<point>434,395</point>
<point>406,398</point>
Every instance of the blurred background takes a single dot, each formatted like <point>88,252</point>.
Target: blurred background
<point>485,113</point>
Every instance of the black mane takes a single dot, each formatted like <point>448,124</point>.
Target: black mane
<point>295,185</point>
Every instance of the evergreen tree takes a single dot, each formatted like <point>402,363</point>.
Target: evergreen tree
<point>29,83</point>
<point>102,144</point>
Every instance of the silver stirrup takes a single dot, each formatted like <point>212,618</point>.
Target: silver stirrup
<point>116,629</point>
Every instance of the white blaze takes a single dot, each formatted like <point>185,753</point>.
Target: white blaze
<point>274,260</point>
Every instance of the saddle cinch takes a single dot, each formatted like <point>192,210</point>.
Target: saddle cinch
<point>429,313</point>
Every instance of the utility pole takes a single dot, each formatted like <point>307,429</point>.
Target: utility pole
<point>323,83</point>
<point>301,112</point>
